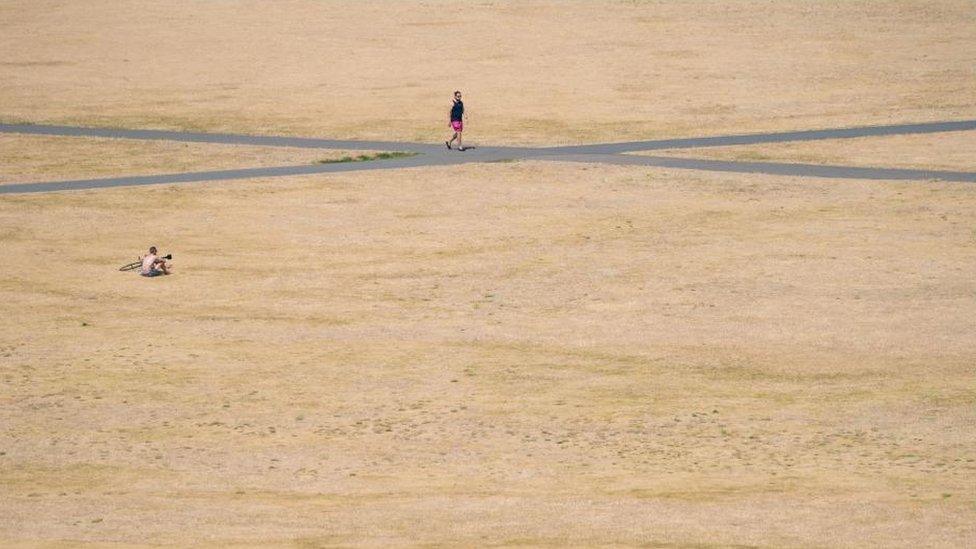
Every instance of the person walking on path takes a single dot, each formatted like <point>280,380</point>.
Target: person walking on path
<point>457,121</point>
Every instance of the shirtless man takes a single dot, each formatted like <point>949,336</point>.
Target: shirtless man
<point>153,265</point>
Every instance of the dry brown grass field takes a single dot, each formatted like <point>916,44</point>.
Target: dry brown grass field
<point>533,72</point>
<point>526,353</point>
<point>943,151</point>
<point>28,158</point>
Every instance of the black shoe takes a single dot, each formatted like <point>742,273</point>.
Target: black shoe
<point>448,143</point>
<point>462,149</point>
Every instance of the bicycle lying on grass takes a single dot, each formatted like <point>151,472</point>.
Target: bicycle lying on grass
<point>138,263</point>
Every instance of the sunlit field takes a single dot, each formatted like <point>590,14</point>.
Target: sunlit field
<point>511,353</point>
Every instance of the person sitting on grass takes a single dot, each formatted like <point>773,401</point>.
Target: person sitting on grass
<point>457,123</point>
<point>153,265</point>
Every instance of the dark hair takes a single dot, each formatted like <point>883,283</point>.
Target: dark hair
<point>152,249</point>
<point>457,92</point>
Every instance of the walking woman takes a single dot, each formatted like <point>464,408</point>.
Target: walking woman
<point>457,121</point>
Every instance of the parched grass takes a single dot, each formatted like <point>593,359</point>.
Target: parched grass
<point>542,321</point>
<point>37,158</point>
<point>946,151</point>
<point>367,157</point>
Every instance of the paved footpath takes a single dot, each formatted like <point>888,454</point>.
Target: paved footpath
<point>438,155</point>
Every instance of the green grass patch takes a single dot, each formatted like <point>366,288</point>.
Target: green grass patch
<point>367,157</point>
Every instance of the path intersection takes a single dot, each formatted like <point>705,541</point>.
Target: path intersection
<point>438,155</point>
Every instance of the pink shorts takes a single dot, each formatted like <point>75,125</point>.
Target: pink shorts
<point>457,125</point>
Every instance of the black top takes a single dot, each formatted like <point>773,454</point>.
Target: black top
<point>457,110</point>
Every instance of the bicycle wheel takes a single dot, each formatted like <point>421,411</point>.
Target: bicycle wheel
<point>131,266</point>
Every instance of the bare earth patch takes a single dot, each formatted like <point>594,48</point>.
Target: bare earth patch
<point>943,151</point>
<point>29,158</point>
<point>513,353</point>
